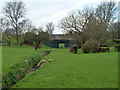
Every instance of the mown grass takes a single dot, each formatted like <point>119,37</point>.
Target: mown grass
<point>68,70</point>
<point>0,67</point>
<point>15,54</point>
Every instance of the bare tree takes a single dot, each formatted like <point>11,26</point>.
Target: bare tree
<point>115,31</point>
<point>1,20</point>
<point>90,23</point>
<point>14,13</point>
<point>105,16</point>
<point>28,25</point>
<point>39,36</point>
<point>100,24</point>
<point>6,30</point>
<point>106,13</point>
<point>76,23</point>
<point>96,31</point>
<point>8,34</point>
<point>25,26</point>
<point>50,28</point>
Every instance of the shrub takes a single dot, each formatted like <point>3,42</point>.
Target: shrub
<point>28,38</point>
<point>73,48</point>
<point>106,43</point>
<point>21,41</point>
<point>117,48</point>
<point>94,47</point>
<point>103,45</point>
<point>90,48</point>
<point>85,49</point>
<point>91,42</point>
<point>104,49</point>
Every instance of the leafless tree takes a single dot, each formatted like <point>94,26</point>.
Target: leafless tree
<point>25,26</point>
<point>90,23</point>
<point>95,31</point>
<point>50,28</point>
<point>40,36</point>
<point>100,24</point>
<point>115,31</point>
<point>106,13</point>
<point>1,20</point>
<point>6,30</point>
<point>105,16</point>
<point>14,13</point>
<point>76,22</point>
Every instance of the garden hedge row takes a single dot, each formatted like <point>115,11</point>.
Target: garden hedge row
<point>73,48</point>
<point>94,49</point>
<point>18,71</point>
<point>117,48</point>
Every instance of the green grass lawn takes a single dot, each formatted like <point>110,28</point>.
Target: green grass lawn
<point>68,70</point>
<point>14,55</point>
<point>0,67</point>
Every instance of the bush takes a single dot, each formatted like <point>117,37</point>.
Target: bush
<point>90,48</point>
<point>94,47</point>
<point>28,38</point>
<point>91,42</point>
<point>73,48</point>
<point>117,48</point>
<point>103,45</point>
<point>104,49</point>
<point>21,41</point>
<point>85,49</point>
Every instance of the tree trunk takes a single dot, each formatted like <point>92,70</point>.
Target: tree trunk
<point>37,44</point>
<point>17,40</point>
<point>8,40</point>
<point>17,35</point>
<point>36,47</point>
<point>9,43</point>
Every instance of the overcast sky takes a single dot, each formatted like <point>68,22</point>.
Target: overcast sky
<point>41,12</point>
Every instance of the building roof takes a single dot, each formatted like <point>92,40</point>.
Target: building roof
<point>60,37</point>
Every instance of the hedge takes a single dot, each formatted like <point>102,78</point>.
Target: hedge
<point>73,48</point>
<point>104,49</point>
<point>94,49</point>
<point>88,49</point>
<point>117,48</point>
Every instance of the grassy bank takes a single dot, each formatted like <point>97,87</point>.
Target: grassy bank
<point>17,61</point>
<point>15,54</point>
<point>68,70</point>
